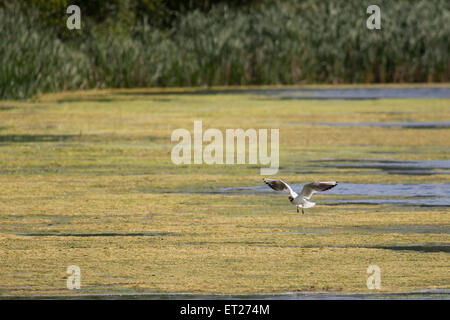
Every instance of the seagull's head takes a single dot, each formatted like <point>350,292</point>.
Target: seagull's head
<point>291,198</point>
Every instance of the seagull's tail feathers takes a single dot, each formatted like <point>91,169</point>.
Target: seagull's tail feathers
<point>308,204</point>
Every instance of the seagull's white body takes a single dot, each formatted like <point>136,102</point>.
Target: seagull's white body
<point>303,203</point>
<point>301,200</point>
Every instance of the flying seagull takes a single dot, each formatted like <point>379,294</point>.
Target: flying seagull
<point>301,201</point>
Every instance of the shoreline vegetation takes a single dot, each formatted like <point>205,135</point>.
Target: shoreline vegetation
<point>256,43</point>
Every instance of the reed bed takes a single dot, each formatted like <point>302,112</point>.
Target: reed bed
<point>293,42</point>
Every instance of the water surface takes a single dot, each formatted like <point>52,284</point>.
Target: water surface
<point>402,124</point>
<point>297,295</point>
<point>317,93</point>
<point>418,194</point>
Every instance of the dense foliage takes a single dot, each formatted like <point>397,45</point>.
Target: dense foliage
<point>138,43</point>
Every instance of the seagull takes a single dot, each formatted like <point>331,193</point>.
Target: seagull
<point>301,201</point>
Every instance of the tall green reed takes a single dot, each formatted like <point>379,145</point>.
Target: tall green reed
<point>289,42</point>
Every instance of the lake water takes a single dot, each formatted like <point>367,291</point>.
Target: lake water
<point>419,194</point>
<point>423,295</point>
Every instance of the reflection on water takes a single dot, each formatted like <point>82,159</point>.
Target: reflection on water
<point>316,93</point>
<point>399,189</point>
<point>297,295</point>
<point>409,125</point>
<point>411,194</point>
<point>374,163</point>
<point>422,202</point>
<point>411,167</point>
<point>361,93</point>
<point>420,194</point>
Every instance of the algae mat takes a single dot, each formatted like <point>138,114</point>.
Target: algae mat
<point>86,179</point>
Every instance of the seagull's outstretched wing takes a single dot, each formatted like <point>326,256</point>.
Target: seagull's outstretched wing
<point>280,185</point>
<point>314,187</point>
